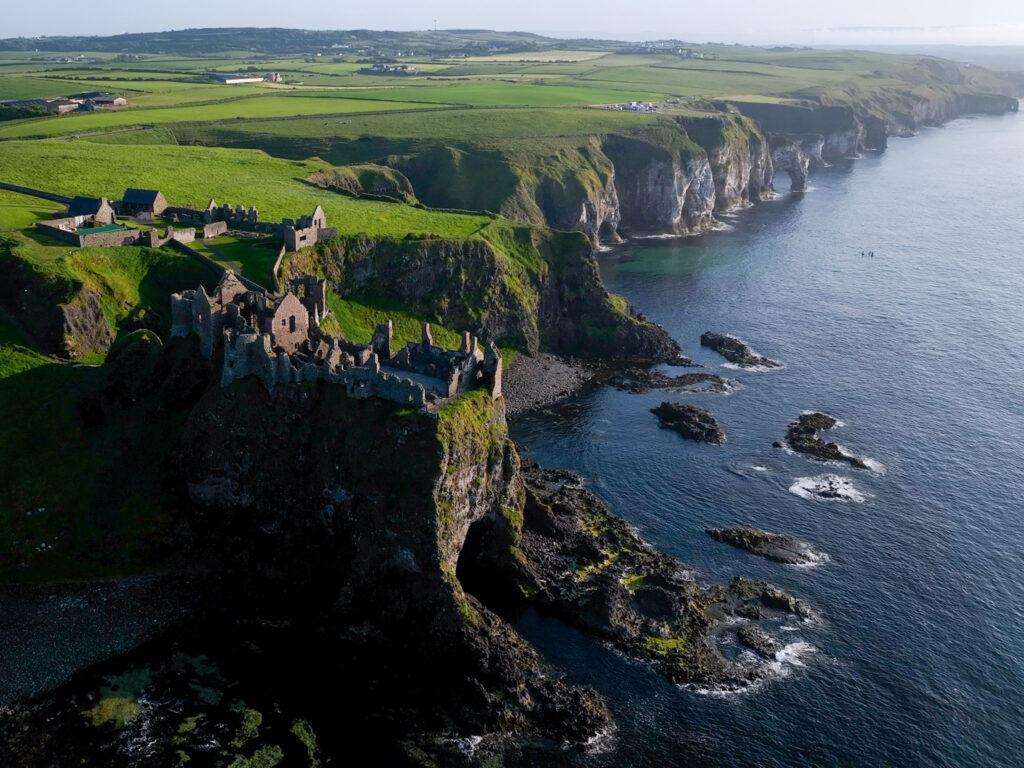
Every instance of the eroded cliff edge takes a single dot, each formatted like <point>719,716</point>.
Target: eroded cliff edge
<point>531,288</point>
<point>669,173</point>
<point>382,551</point>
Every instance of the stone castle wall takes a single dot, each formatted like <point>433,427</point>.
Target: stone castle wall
<point>280,343</point>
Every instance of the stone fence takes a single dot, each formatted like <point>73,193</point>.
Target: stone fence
<point>36,193</point>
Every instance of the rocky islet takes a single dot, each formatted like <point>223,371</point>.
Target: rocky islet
<point>736,351</point>
<point>773,546</point>
<point>690,421</point>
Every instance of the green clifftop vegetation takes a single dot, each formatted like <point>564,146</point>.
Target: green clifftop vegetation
<point>512,134</point>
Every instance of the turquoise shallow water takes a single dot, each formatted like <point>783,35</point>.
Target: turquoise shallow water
<point>920,351</point>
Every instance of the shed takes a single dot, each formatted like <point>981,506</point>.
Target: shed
<point>137,201</point>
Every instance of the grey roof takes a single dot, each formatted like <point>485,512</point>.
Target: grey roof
<point>140,196</point>
<point>84,206</point>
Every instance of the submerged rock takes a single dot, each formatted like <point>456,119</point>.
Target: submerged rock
<point>802,437</point>
<point>758,640</point>
<point>826,488</point>
<point>690,421</point>
<point>640,380</point>
<point>752,596</point>
<point>774,546</point>
<point>735,351</point>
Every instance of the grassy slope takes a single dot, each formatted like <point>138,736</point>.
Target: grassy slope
<point>77,501</point>
<point>190,176</point>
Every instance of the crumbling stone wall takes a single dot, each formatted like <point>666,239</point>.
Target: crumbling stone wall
<point>280,343</point>
<point>289,323</point>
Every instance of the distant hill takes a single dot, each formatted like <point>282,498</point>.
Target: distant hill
<point>193,42</point>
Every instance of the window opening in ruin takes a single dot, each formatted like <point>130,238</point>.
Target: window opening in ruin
<point>291,324</point>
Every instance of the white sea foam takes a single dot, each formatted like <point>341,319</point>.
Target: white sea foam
<point>875,466</point>
<point>753,368</point>
<point>814,560</point>
<point>791,656</point>
<point>759,468</point>
<point>467,745</point>
<point>600,743</point>
<point>811,487</point>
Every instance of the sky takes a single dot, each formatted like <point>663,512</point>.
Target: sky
<point>807,22</point>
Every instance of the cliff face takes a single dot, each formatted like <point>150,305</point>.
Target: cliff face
<point>852,121</point>
<point>795,156</point>
<point>357,511</point>
<point>61,315</point>
<point>531,287</point>
<point>739,157</point>
<point>661,190</point>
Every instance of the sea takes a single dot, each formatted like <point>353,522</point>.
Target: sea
<point>919,350</point>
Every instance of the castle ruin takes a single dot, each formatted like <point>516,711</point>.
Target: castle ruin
<point>216,219</point>
<point>280,341</point>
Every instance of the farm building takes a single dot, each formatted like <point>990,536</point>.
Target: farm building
<point>98,208</point>
<point>235,78</point>
<point>136,201</point>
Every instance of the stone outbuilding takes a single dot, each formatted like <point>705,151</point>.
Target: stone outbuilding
<point>136,201</point>
<point>98,209</point>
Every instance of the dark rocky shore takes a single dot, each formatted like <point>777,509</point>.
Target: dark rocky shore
<point>774,546</point>
<point>591,569</point>
<point>735,351</point>
<point>802,436</point>
<point>690,421</point>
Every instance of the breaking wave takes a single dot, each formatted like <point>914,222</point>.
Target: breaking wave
<point>827,488</point>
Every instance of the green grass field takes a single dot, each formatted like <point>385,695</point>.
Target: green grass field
<point>192,175</point>
<point>21,211</point>
<point>166,90</point>
<point>253,257</point>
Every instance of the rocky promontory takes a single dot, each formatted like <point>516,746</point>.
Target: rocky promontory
<point>774,546</point>
<point>690,421</point>
<point>735,351</point>
<point>802,436</point>
<point>591,569</point>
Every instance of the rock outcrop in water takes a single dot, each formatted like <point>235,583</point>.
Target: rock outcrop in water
<point>757,640</point>
<point>774,546</point>
<point>640,380</point>
<point>591,569</point>
<point>802,436</point>
<point>735,351</point>
<point>690,421</point>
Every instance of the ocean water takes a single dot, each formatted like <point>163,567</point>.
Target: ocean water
<point>920,352</point>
